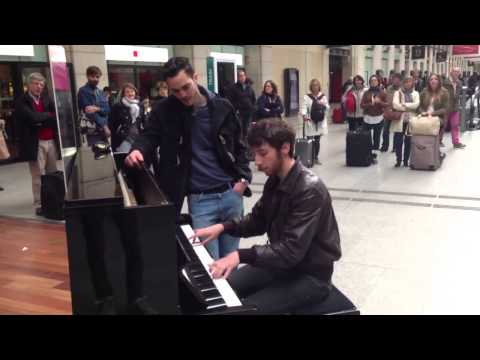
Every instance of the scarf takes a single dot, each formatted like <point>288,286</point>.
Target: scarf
<point>375,90</point>
<point>408,95</point>
<point>134,108</point>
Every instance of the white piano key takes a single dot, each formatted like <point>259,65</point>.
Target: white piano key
<point>223,287</point>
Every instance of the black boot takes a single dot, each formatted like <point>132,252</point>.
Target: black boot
<point>1,188</point>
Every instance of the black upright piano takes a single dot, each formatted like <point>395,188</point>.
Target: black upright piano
<point>126,245</point>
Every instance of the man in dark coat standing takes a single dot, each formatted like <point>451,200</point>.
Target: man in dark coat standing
<point>243,99</point>
<point>40,146</point>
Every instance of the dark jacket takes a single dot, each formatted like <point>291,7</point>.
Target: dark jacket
<point>453,95</point>
<point>298,217</point>
<point>88,96</point>
<point>242,100</point>
<point>374,109</point>
<point>120,124</point>
<point>269,107</point>
<point>169,127</point>
<point>28,122</point>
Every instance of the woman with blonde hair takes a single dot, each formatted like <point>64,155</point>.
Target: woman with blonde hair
<point>314,112</point>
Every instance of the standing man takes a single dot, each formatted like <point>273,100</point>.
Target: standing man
<point>93,103</point>
<point>202,154</point>
<point>454,87</point>
<point>243,99</point>
<point>396,80</point>
<point>294,269</point>
<point>40,145</point>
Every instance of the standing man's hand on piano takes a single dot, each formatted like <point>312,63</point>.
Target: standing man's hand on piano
<point>134,159</point>
<point>224,266</point>
<point>208,234</point>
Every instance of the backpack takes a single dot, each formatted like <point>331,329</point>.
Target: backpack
<point>350,102</point>
<point>317,111</point>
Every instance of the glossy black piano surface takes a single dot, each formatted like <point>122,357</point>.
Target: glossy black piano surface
<point>111,245</point>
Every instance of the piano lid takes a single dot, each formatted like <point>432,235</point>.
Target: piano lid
<point>92,182</point>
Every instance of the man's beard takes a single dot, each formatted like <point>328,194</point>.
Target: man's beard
<point>93,83</point>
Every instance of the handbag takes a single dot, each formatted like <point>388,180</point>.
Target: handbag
<point>393,115</point>
<point>4,153</point>
<point>424,125</point>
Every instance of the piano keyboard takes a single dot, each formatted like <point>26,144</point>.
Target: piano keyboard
<point>215,293</point>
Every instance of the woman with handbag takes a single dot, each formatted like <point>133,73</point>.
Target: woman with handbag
<point>126,119</point>
<point>405,103</point>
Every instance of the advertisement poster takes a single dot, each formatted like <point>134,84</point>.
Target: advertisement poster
<point>465,50</point>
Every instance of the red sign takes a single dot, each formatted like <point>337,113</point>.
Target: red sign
<point>135,53</point>
<point>465,49</point>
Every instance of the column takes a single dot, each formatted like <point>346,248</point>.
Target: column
<point>377,58</point>
<point>358,60</point>
<point>391,59</point>
<point>402,58</point>
<point>199,61</point>
<point>82,57</point>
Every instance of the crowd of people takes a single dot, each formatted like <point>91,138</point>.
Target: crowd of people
<point>431,95</point>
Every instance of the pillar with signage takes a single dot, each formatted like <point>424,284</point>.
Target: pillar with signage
<point>211,73</point>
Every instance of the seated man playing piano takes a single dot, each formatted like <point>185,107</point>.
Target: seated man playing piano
<point>294,269</point>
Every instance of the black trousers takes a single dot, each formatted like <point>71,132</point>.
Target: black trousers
<point>246,119</point>
<point>316,145</point>
<point>277,292</point>
<point>354,123</point>
<point>399,138</point>
<point>386,135</point>
<point>95,243</point>
<point>377,129</point>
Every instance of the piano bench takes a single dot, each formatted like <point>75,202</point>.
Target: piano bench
<point>335,304</point>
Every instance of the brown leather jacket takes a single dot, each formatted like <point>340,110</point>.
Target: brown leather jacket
<point>298,217</point>
<point>374,109</point>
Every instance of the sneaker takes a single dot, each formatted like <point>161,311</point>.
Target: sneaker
<point>142,307</point>
<point>459,146</point>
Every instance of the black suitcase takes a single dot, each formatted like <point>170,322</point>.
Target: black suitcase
<point>359,148</point>
<point>304,151</point>
<point>52,195</point>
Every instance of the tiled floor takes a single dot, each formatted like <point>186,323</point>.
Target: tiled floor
<point>409,238</point>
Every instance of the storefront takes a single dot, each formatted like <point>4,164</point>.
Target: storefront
<point>17,62</point>
<point>139,65</point>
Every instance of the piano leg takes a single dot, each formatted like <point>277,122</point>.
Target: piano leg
<point>95,246</point>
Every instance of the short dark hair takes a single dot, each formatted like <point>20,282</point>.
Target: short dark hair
<point>107,88</point>
<point>274,132</point>
<point>94,70</point>
<point>397,75</point>
<point>176,64</point>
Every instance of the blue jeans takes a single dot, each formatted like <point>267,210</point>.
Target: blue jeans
<point>211,209</point>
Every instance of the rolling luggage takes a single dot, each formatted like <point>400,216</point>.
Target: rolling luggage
<point>304,151</point>
<point>359,148</point>
<point>425,153</point>
<point>337,116</point>
<point>52,195</point>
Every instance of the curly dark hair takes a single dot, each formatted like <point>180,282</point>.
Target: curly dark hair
<point>274,132</point>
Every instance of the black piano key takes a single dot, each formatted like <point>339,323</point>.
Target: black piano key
<point>216,302</point>
<point>211,294</point>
